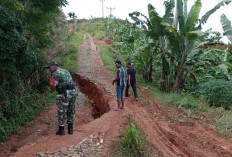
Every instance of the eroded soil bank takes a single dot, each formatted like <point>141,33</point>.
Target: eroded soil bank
<point>99,101</point>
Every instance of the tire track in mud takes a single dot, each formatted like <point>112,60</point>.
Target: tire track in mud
<point>169,137</point>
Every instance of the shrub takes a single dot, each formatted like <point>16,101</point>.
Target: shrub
<point>19,110</point>
<point>217,92</point>
<point>133,142</point>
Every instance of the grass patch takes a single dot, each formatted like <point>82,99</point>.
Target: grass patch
<point>109,56</point>
<point>70,57</point>
<point>183,100</point>
<point>99,34</point>
<point>87,103</point>
<point>95,27</point>
<point>132,144</point>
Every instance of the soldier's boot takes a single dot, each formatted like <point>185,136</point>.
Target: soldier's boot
<point>70,128</point>
<point>60,131</point>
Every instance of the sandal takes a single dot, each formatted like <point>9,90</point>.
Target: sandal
<point>116,109</point>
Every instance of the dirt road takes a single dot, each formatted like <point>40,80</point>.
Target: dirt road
<point>169,137</point>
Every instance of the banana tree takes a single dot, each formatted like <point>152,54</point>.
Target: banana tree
<point>153,29</point>
<point>177,37</point>
<point>134,46</point>
<point>124,36</point>
<point>208,63</point>
<point>145,50</point>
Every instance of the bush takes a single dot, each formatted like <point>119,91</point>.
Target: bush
<point>19,110</point>
<point>217,92</point>
<point>133,144</point>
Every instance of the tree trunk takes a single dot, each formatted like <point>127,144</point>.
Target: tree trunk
<point>176,85</point>
<point>151,66</point>
<point>165,80</point>
<point>171,75</point>
<point>178,74</point>
<point>177,81</point>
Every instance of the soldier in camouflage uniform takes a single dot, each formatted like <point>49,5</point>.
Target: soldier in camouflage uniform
<point>66,97</point>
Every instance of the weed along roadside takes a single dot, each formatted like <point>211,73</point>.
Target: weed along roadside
<point>133,142</point>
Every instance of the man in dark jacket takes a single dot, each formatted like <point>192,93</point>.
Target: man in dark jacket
<point>131,80</point>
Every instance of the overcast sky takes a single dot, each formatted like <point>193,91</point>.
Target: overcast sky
<point>93,8</point>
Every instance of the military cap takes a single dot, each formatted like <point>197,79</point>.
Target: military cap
<point>53,62</point>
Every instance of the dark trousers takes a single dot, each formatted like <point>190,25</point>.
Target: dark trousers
<point>133,85</point>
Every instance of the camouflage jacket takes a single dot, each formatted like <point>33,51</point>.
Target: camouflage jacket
<point>62,78</point>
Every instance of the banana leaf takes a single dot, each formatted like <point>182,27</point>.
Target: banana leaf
<point>193,35</point>
<point>168,16</point>
<point>155,20</point>
<point>181,16</point>
<point>168,26</point>
<point>210,12</point>
<point>227,28</point>
<point>224,70</point>
<point>193,15</point>
<point>185,10</point>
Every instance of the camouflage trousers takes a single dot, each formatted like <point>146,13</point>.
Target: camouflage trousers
<point>66,107</point>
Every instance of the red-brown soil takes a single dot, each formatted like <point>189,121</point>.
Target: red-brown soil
<point>169,136</point>
<point>43,125</point>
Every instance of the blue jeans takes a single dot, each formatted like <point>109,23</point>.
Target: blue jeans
<point>120,90</point>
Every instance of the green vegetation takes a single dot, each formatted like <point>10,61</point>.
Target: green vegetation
<point>226,25</point>
<point>133,144</point>
<point>26,29</point>
<point>179,37</point>
<point>95,27</point>
<point>109,56</point>
<point>22,108</point>
<point>69,58</point>
<point>87,102</point>
<point>217,93</point>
